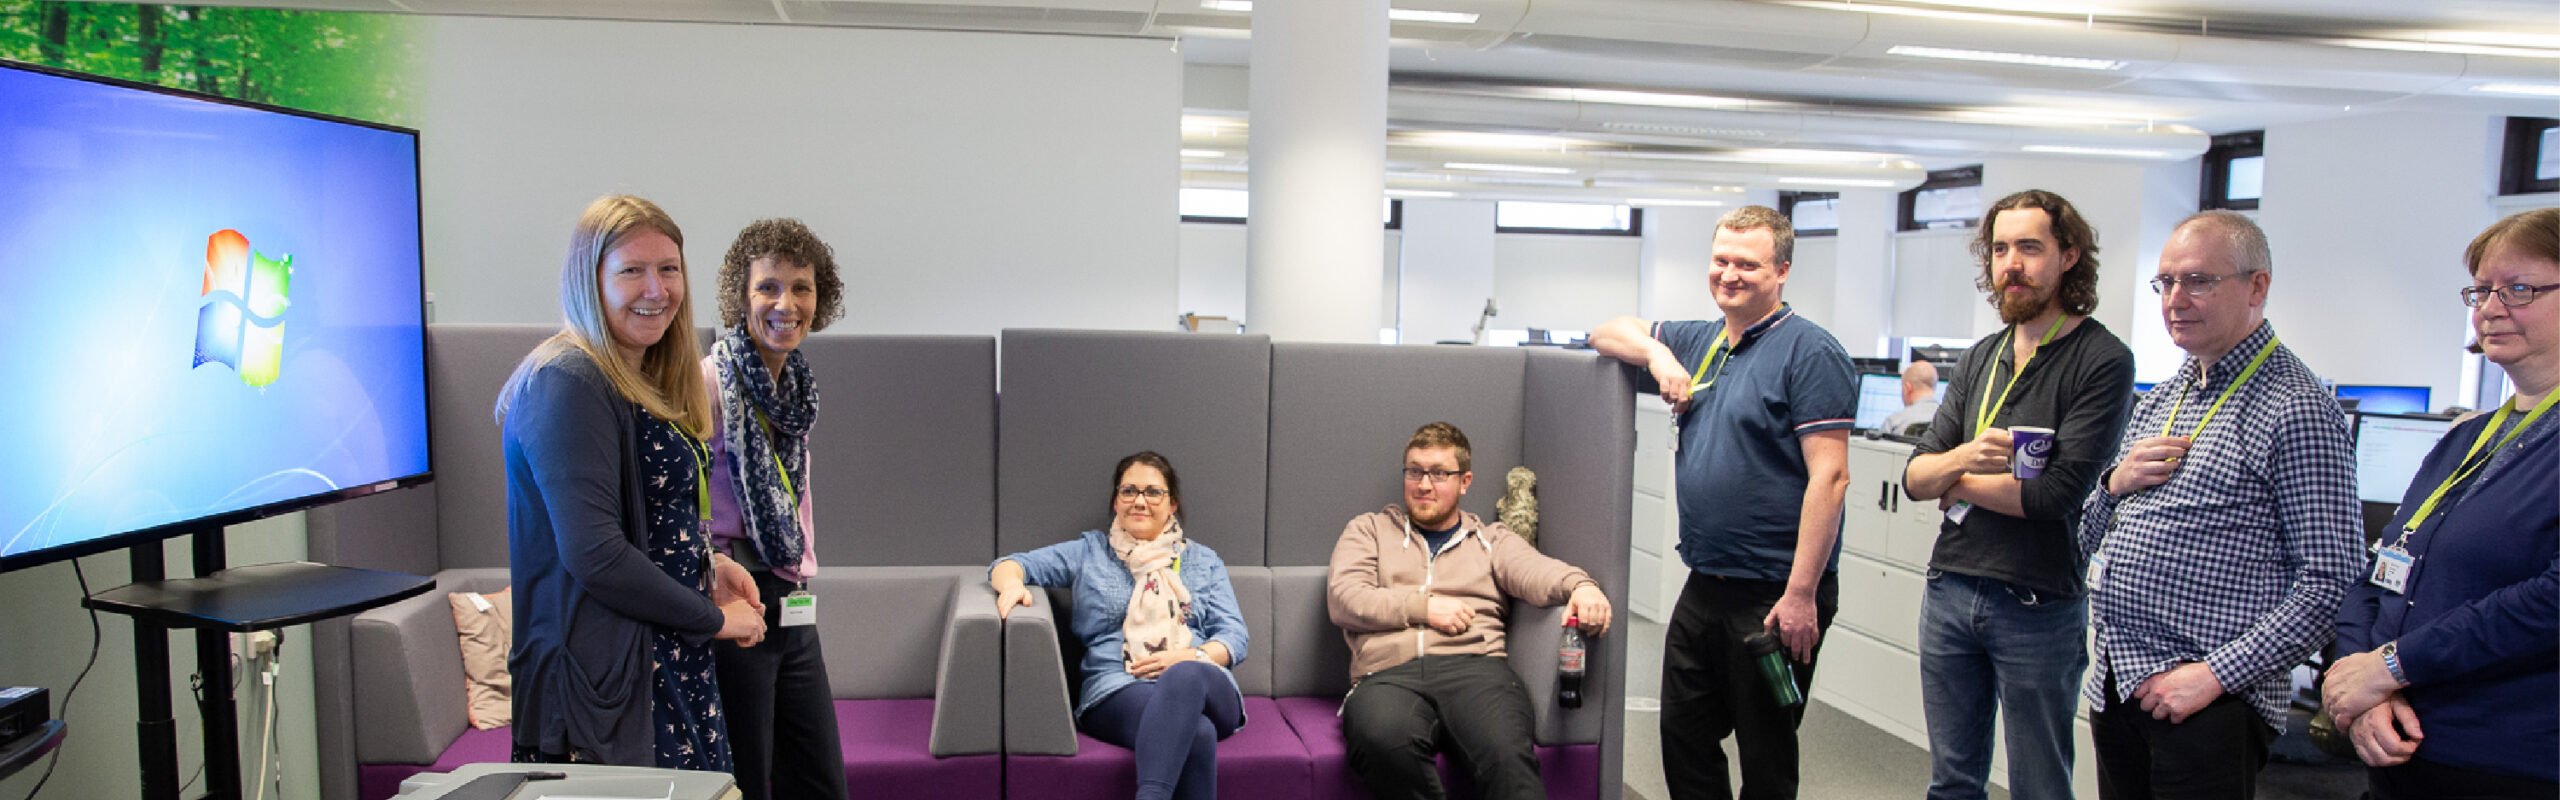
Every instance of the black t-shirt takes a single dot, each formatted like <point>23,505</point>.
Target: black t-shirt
<point>2081,386</point>
<point>1440,538</point>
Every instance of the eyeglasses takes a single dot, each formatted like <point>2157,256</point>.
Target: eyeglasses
<point>2198,285</point>
<point>1418,474</point>
<point>1151,493</point>
<point>2514,295</point>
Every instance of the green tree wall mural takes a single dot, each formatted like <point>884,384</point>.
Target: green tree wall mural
<point>345,63</point>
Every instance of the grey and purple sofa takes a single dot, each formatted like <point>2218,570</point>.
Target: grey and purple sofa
<point>922,477</point>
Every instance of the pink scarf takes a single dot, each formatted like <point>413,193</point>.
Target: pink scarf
<point>1161,603</point>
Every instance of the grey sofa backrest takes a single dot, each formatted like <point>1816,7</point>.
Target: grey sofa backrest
<point>1075,402</point>
<point>407,673</point>
<point>903,458</point>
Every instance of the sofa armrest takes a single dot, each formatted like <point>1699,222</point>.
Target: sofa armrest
<point>968,689</point>
<point>1533,636</point>
<point>407,664</point>
<point>1038,719</point>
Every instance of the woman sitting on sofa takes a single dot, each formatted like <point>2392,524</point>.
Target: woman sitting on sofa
<point>1160,628</point>
<point>613,576</point>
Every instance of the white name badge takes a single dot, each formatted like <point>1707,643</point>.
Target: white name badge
<point>799,608</point>
<point>2097,572</point>
<point>2391,569</point>
<point>1957,512</point>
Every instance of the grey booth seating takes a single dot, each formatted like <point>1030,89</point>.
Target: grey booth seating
<point>1322,428</point>
<point>904,481</point>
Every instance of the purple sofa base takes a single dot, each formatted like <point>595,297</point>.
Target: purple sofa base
<point>1571,772</point>
<point>885,755</point>
<point>1262,761</point>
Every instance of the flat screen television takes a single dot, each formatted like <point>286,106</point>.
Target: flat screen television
<point>2389,448</point>
<point>214,313</point>
<point>2386,399</point>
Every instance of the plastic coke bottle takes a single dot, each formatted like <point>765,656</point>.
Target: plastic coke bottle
<point>1569,662</point>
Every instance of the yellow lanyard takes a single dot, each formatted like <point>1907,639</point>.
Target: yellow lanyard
<point>2468,466</point>
<point>701,478</point>
<point>778,466</point>
<point>1983,415</point>
<point>1701,380</point>
<point>2236,383</point>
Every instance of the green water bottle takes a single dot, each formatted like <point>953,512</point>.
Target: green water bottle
<point>1775,671</point>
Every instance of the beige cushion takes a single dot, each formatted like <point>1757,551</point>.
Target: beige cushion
<point>486,625</point>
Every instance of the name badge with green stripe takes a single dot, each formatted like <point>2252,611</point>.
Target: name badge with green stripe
<point>799,608</point>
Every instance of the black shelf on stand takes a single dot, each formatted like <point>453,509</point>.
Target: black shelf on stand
<point>218,602</point>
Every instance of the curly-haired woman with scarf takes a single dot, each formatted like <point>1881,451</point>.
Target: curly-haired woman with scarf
<point>1160,628</point>
<point>777,284</point>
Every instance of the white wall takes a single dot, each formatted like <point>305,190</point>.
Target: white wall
<point>1813,283</point>
<point>1933,292</point>
<point>1671,271</point>
<point>911,152</point>
<point>1563,282</point>
<point>1863,272</point>
<point>1211,278</point>
<point>1446,269</point>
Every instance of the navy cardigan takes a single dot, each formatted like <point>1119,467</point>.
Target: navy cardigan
<point>587,596</point>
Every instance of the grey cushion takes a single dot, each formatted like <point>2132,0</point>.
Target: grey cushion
<point>1039,716</point>
<point>1309,656</point>
<point>904,452</point>
<point>1340,415</point>
<point>466,364</point>
<point>1075,402</point>
<point>1253,600</point>
<point>968,708</point>
<point>1579,435</point>
<point>408,673</point>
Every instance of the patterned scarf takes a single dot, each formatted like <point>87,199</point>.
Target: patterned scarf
<point>1161,603</point>
<point>767,433</point>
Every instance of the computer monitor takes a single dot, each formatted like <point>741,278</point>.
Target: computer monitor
<point>2389,448</point>
<point>2386,399</point>
<point>1879,395</point>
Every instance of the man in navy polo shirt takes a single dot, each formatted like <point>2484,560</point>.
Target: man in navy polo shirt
<point>1763,400</point>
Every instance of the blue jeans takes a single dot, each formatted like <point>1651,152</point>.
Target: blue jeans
<point>1989,645</point>
<point>1174,724</point>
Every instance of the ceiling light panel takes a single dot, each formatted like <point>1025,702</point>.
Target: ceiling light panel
<point>1418,15</point>
<point>2005,57</point>
<point>1524,169</point>
<point>2521,89</point>
<point>2076,150</point>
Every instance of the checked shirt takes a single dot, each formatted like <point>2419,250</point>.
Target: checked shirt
<point>2241,558</point>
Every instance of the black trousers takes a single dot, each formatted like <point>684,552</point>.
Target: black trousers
<point>1397,720</point>
<point>2420,779</point>
<point>2216,753</point>
<point>782,714</point>
<point>1711,689</point>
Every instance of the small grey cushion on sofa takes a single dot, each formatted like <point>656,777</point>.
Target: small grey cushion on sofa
<point>407,662</point>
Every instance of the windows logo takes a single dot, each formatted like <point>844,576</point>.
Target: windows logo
<point>242,321</point>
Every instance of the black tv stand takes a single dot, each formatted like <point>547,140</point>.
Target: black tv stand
<point>218,602</point>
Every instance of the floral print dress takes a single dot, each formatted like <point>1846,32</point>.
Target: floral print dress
<point>684,690</point>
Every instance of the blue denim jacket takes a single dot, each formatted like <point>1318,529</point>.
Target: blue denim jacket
<point>1102,587</point>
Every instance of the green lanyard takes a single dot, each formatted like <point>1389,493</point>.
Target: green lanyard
<point>1719,348</point>
<point>1983,415</point>
<point>701,478</point>
<point>778,466</point>
<point>2468,466</point>
<point>2236,383</point>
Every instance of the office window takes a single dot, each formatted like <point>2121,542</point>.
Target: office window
<point>1214,205</point>
<point>1813,213</point>
<point>2532,163</point>
<point>2235,169</point>
<point>1575,218</point>
<point>1950,198</point>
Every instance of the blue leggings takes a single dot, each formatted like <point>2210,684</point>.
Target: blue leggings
<point>1174,723</point>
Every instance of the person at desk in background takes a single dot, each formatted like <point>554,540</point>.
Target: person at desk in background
<point>1421,593</point>
<point>2003,617</point>
<point>1919,401</point>
<point>2448,682</point>
<point>2219,544</point>
<point>1160,627</point>
<point>618,594</point>
<point>1764,400</point>
<point>777,284</point>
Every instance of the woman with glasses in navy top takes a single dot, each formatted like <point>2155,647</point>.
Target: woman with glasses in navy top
<point>1160,627</point>
<point>2449,678</point>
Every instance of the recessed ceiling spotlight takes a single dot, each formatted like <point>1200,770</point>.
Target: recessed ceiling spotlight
<point>1203,153</point>
<point>2077,150</point>
<point>1863,183</point>
<point>1520,168</point>
<point>2003,57</point>
<point>2525,89</point>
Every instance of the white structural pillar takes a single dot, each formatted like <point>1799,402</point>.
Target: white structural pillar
<point>1318,100</point>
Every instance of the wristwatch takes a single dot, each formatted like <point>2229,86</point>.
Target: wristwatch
<point>2390,653</point>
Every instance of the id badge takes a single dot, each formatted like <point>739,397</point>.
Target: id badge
<point>2391,570</point>
<point>1956,513</point>
<point>799,608</point>
<point>2097,572</point>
